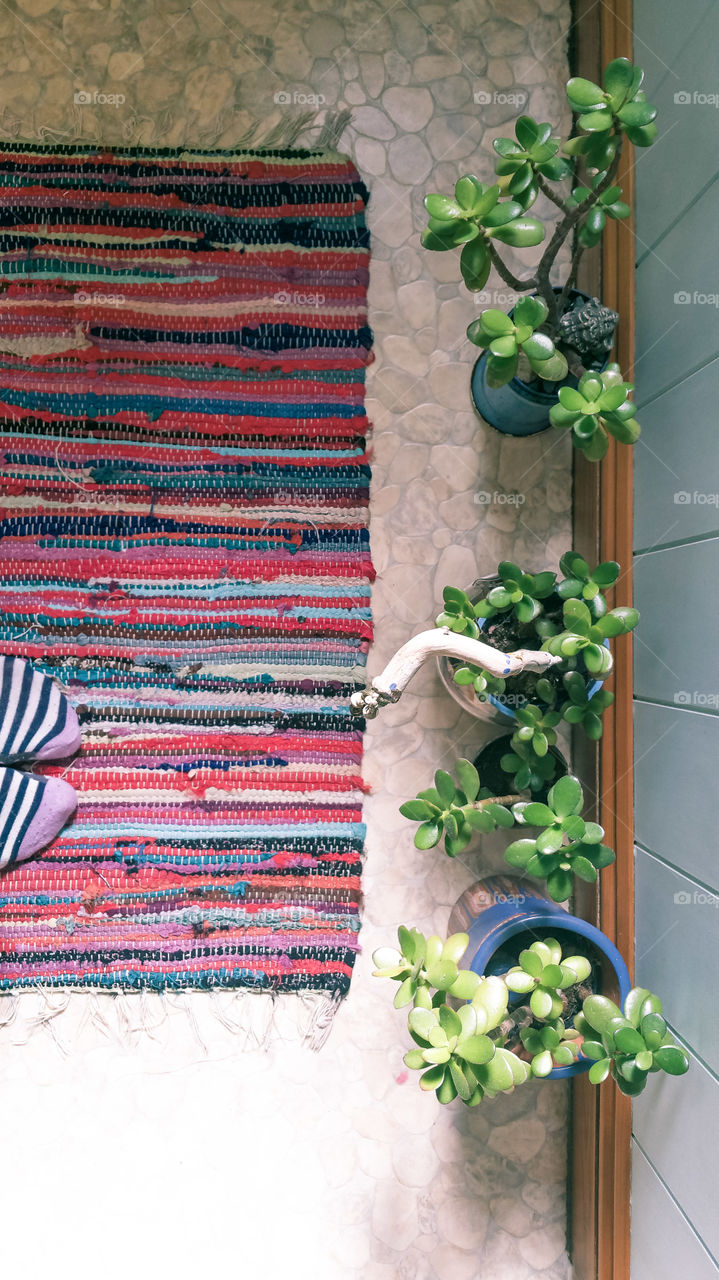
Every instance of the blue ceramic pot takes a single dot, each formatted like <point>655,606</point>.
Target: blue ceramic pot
<point>500,907</point>
<point>518,408</point>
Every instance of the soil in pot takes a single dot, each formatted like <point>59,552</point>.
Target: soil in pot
<point>492,775</point>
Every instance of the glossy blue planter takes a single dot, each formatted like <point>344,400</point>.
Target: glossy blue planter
<point>518,409</point>
<point>515,409</point>
<point>499,907</point>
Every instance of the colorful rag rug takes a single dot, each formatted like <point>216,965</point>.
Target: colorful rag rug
<point>183,344</point>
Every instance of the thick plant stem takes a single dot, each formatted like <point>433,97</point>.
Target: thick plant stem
<point>570,281</point>
<point>516,1022</point>
<point>521,286</point>
<point>551,195</point>
<point>481,804</point>
<point>560,235</point>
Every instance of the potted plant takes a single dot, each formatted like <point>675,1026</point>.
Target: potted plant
<point>542,1014</point>
<point>567,617</point>
<point>546,360</point>
<point>566,846</point>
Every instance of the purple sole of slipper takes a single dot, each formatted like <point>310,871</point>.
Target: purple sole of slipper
<point>58,804</point>
<point>65,743</point>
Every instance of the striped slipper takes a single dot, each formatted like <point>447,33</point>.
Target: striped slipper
<point>36,719</point>
<point>32,812</point>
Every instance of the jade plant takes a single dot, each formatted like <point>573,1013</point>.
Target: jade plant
<point>597,408</point>
<point>629,1045</point>
<point>567,845</point>
<point>540,340</point>
<point>456,812</point>
<point>500,1031</point>
<point>566,615</point>
<point>525,769</point>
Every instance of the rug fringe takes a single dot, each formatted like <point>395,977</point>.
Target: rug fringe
<point>289,131</point>
<point>253,1021</point>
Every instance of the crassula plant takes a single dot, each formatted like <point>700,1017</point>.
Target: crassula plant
<point>544,339</point>
<point>567,845</point>
<point>456,811</point>
<point>475,1036</point>
<point>566,615</point>
<point>630,1045</point>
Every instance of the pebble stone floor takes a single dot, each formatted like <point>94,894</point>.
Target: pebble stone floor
<point>157,1143</point>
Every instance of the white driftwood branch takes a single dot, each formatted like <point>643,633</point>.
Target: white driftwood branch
<point>392,682</point>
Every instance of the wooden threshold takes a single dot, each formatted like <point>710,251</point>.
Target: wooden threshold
<point>599,1167</point>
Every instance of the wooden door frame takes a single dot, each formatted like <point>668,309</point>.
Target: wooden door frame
<point>599,1167</point>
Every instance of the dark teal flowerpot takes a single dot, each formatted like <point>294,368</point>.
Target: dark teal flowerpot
<point>518,408</point>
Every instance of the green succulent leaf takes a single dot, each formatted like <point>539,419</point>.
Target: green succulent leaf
<point>599,1070</point>
<point>475,264</point>
<point>442,974</point>
<point>595,121</point>
<point>642,136</point>
<point>531,312</point>
<point>538,815</point>
<point>519,853</point>
<point>432,1079</point>
<point>619,79</point>
<point>637,113</point>
<point>566,797</point>
<point>444,208</point>
<point>445,786</point>
<point>559,885</point>
<point>629,1040</point>
<point>418,810</point>
<point>672,1059</point>
<point>521,232</point>
<point>468,779</point>
<point>428,835</point>
<point>584,93</point>
<point>600,1012</point>
<point>468,195</point>
<point>476,1049</point>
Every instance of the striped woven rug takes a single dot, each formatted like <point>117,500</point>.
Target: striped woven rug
<point>183,342</point>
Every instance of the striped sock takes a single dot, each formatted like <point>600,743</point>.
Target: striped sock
<point>32,812</point>
<point>36,719</point>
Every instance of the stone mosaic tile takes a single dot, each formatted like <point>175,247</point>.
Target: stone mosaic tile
<point>331,1166</point>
